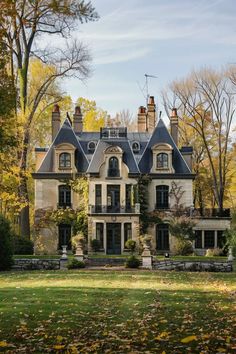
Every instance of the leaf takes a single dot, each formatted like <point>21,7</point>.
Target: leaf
<point>3,344</point>
<point>188,339</point>
<point>58,346</point>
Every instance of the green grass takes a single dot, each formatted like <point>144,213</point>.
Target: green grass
<point>89,311</point>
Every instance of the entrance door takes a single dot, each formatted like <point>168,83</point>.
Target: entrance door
<point>114,238</point>
<point>64,236</point>
<point>162,237</point>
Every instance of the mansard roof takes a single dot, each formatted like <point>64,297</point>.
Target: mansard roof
<point>138,162</point>
<point>162,135</point>
<point>65,135</point>
<point>98,156</point>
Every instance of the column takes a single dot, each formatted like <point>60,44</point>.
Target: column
<point>215,243</point>
<point>203,239</point>
<point>105,236</point>
<point>122,237</point>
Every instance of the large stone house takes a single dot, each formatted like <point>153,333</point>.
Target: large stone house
<point>113,160</point>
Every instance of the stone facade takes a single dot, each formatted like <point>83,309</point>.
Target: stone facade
<point>113,161</point>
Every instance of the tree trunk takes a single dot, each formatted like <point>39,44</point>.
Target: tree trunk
<point>23,190</point>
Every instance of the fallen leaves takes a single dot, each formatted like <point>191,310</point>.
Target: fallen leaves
<point>188,339</point>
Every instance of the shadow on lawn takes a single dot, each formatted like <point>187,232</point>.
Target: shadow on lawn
<point>118,319</point>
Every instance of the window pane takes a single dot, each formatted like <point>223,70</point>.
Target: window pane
<point>162,237</point>
<point>65,160</point>
<point>162,197</point>
<point>113,168</point>
<point>209,239</point>
<point>64,196</point>
<point>162,160</point>
<point>99,234</point>
<point>64,236</point>
<point>198,239</point>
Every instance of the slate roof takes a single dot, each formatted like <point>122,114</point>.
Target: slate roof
<point>140,162</point>
<point>65,135</point>
<point>161,135</point>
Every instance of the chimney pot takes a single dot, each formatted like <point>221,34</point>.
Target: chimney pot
<point>174,112</point>
<point>56,108</point>
<point>151,100</point>
<point>77,110</point>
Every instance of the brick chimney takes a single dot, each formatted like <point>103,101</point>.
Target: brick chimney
<point>78,120</point>
<point>174,126</point>
<point>56,121</point>
<point>142,119</point>
<point>151,114</point>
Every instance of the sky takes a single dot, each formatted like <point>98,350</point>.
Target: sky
<point>164,38</point>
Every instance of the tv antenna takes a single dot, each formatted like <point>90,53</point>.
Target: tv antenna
<point>147,77</point>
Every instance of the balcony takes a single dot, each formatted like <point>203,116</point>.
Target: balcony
<point>105,209</point>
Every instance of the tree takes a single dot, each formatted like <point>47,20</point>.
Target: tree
<point>93,117</point>
<point>6,250</point>
<point>23,24</point>
<point>124,119</point>
<point>207,99</point>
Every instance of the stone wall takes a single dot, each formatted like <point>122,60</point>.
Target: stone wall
<point>194,266</point>
<point>36,264</point>
<point>96,262</point>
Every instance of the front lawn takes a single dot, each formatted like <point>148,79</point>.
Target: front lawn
<point>90,311</point>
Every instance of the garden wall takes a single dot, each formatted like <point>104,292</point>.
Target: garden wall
<point>194,266</point>
<point>36,264</point>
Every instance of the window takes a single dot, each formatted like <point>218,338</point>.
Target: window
<point>113,168</point>
<point>98,197</point>
<point>65,160</point>
<point>135,147</point>
<point>91,146</point>
<point>162,197</point>
<point>99,233</point>
<point>162,237</point>
<point>64,236</point>
<point>162,161</point>
<point>64,193</point>
<point>113,198</point>
<point>128,196</point>
<point>198,239</point>
<point>127,232</point>
<point>209,239</point>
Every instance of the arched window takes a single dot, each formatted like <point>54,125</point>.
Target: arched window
<point>136,147</point>
<point>65,160</point>
<point>162,197</point>
<point>162,237</point>
<point>113,167</point>
<point>162,160</point>
<point>91,146</point>
<point>64,194</point>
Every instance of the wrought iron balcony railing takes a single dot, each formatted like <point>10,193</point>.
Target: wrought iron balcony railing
<point>105,209</point>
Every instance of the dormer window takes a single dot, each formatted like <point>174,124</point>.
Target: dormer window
<point>65,160</point>
<point>162,160</point>
<point>91,146</point>
<point>113,167</point>
<point>136,147</point>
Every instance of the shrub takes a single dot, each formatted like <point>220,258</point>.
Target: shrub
<point>22,245</point>
<point>132,262</point>
<point>130,245</point>
<point>183,247</point>
<point>231,240</point>
<point>6,250</point>
<point>212,252</point>
<point>75,264</point>
<point>95,244</point>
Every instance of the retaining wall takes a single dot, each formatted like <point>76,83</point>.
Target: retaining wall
<point>36,264</point>
<point>194,266</point>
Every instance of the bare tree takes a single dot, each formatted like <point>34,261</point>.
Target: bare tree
<point>124,119</point>
<point>206,99</point>
<point>24,23</point>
